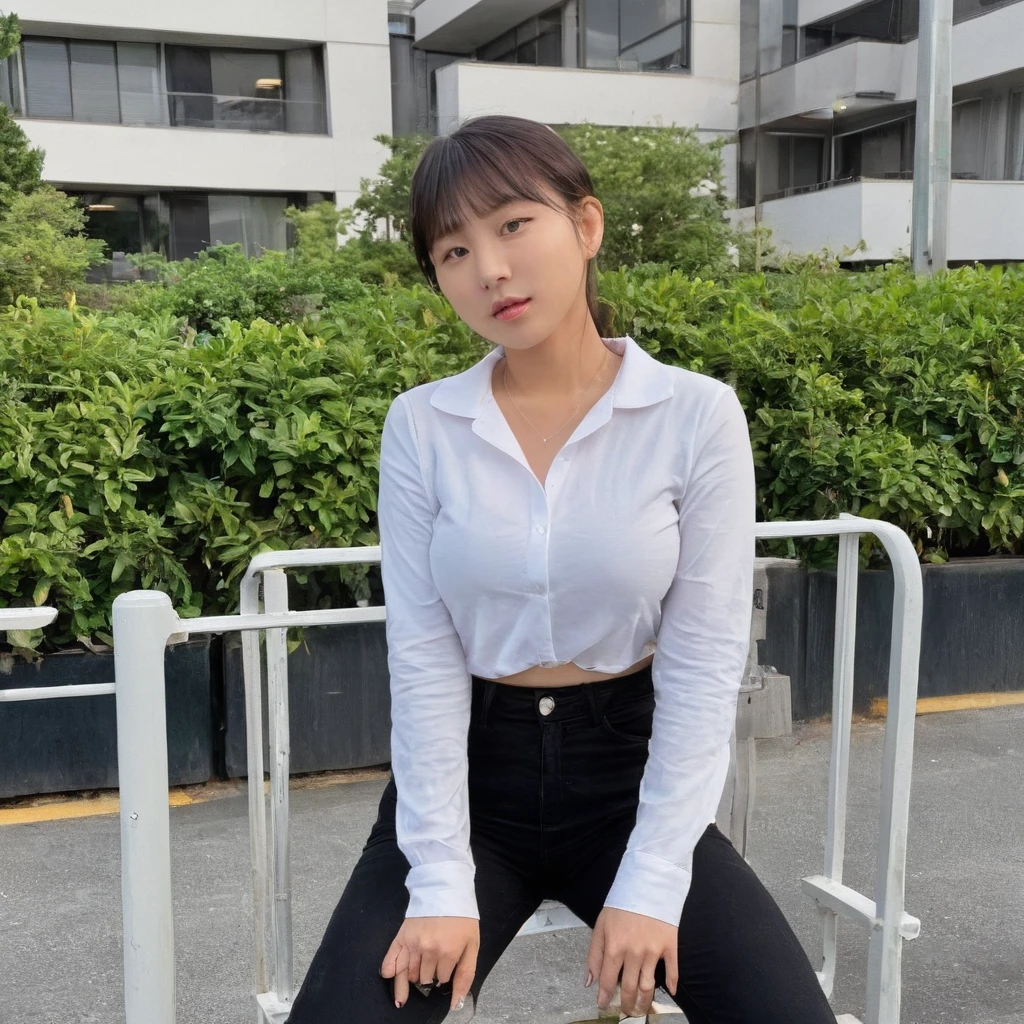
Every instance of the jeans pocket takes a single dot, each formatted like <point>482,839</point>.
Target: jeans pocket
<point>629,721</point>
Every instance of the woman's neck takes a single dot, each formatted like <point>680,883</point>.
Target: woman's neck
<point>559,367</point>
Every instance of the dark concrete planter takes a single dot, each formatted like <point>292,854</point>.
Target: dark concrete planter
<point>972,635</point>
<point>339,703</point>
<point>61,745</point>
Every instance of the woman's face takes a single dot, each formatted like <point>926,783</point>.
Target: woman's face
<point>521,251</point>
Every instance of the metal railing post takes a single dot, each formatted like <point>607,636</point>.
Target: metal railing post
<point>842,718</point>
<point>885,947</point>
<point>249,604</point>
<point>275,599</point>
<point>143,622</point>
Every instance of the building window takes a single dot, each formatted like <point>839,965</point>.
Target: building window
<point>536,41</point>
<point>880,20</point>
<point>180,225</point>
<point>967,151</point>
<point>636,35</point>
<point>1015,137</point>
<point>886,151</point>
<point>964,9</point>
<point>801,160</point>
<point>122,83</point>
<point>10,90</point>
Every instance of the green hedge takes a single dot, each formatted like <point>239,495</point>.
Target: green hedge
<point>135,452</point>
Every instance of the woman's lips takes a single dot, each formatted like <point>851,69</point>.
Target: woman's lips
<point>511,312</point>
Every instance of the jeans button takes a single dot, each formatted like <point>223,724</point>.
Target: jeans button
<point>546,705</point>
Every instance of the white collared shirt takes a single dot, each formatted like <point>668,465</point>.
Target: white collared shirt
<point>640,540</point>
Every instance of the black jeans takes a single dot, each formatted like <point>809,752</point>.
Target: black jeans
<point>553,799</point>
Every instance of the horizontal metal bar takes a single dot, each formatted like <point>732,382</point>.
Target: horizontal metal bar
<point>52,692</point>
<point>819,528</point>
<point>310,558</point>
<point>279,620</point>
<point>841,899</point>
<point>26,618</point>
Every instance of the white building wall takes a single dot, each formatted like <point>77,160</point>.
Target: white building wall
<point>358,85</point>
<point>986,220</point>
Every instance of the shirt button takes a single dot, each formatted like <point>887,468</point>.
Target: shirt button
<point>542,529</point>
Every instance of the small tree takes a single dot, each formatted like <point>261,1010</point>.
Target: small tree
<point>21,164</point>
<point>42,249</point>
<point>386,197</point>
<point>663,196</point>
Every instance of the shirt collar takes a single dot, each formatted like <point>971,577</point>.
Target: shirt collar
<point>641,381</point>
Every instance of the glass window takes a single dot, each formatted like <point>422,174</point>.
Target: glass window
<point>254,222</point>
<point>138,74</point>
<point>10,92</point>
<point>963,9</point>
<point>967,151</point>
<point>536,41</point>
<point>1015,140</point>
<point>94,95</point>
<point>602,33</point>
<point>883,152</point>
<point>748,38</point>
<point>635,35</point>
<point>640,19</point>
<point>248,90</point>
<point>47,78</point>
<point>800,161</point>
<point>304,91</point>
<point>661,52</point>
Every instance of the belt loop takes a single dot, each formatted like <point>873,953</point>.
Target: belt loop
<point>490,689</point>
<point>591,697</point>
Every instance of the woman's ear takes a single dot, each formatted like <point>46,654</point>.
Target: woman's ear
<point>590,224</point>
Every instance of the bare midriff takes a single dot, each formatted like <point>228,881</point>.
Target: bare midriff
<point>569,674</point>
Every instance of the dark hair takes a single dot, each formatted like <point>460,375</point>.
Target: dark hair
<point>486,162</point>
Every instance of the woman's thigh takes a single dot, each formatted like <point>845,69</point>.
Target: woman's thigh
<point>739,960</point>
<point>343,982</point>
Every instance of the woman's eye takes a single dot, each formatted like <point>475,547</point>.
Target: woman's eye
<point>452,252</point>
<point>517,222</point>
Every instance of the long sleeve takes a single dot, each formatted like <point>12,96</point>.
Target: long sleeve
<point>698,666</point>
<point>430,688</point>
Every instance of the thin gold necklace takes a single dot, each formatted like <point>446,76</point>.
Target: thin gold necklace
<point>504,378</point>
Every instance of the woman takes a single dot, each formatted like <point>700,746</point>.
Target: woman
<point>567,545</point>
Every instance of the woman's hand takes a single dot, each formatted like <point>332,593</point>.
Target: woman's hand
<point>433,947</point>
<point>633,944</point>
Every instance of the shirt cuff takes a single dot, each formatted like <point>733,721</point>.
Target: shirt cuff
<point>650,886</point>
<point>442,889</point>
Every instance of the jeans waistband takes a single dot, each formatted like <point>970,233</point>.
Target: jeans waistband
<point>556,703</point>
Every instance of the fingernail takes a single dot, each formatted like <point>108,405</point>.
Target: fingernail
<point>398,1005</point>
<point>588,980</point>
<point>461,1003</point>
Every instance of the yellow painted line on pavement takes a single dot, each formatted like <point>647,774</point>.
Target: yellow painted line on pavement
<point>41,809</point>
<point>955,702</point>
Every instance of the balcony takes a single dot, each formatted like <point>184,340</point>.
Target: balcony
<point>983,47</point>
<point>116,155</point>
<point>862,67</point>
<point>572,95</point>
<point>986,220</point>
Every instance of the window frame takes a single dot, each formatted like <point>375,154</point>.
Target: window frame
<point>685,25</point>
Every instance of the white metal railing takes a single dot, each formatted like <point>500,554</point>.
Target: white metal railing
<point>145,623</point>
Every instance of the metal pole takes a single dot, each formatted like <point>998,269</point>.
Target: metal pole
<point>143,622</point>
<point>920,234</point>
<point>757,140</point>
<point>930,214</point>
<point>942,139</point>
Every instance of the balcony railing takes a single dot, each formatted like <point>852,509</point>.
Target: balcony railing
<point>185,110</point>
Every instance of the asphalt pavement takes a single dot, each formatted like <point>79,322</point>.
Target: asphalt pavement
<point>60,914</point>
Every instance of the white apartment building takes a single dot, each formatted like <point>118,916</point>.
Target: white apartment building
<point>838,87</point>
<point>838,81</point>
<point>186,124</point>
